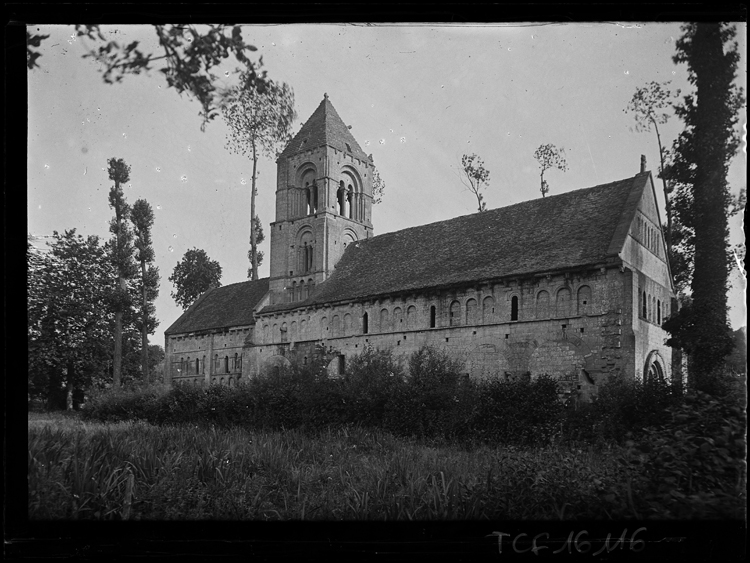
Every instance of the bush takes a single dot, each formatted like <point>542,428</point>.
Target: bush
<point>621,409</point>
<point>692,465</point>
<point>520,412</point>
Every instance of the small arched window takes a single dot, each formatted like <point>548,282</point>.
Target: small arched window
<point>384,321</point>
<point>411,317</point>
<point>335,326</point>
<point>644,306</point>
<point>562,305</point>
<point>658,312</point>
<point>432,316</point>
<point>454,314</point>
<point>488,309</point>
<point>514,308</point>
<point>471,312</point>
<point>364,324</point>
<point>226,365</point>
<point>398,318</point>
<point>197,366</point>
<point>584,299</point>
<point>542,305</point>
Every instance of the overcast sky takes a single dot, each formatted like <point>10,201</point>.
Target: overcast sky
<point>416,97</point>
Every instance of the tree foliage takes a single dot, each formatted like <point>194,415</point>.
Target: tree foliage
<point>260,124</point>
<point>69,322</point>
<point>120,248</point>
<point>190,59</point>
<point>648,105</point>
<point>259,238</point>
<point>32,42</point>
<point>549,156</point>
<point>378,186</point>
<point>475,177</point>
<point>698,166</point>
<point>195,274</point>
<point>143,220</point>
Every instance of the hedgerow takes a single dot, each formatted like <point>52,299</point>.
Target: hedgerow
<point>429,398</point>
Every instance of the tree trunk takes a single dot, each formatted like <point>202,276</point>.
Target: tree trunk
<point>69,387</point>
<point>117,360</point>
<point>709,284</point>
<point>253,244</point>
<point>144,328</point>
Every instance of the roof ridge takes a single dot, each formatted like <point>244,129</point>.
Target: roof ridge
<point>506,207</point>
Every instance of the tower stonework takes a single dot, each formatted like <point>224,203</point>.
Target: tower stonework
<point>323,204</point>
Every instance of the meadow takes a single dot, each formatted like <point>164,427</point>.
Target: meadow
<point>134,470</point>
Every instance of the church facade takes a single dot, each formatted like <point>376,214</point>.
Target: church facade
<point>575,286</point>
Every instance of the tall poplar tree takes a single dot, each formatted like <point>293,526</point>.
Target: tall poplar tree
<point>698,166</point>
<point>120,248</point>
<point>260,123</point>
<point>142,217</point>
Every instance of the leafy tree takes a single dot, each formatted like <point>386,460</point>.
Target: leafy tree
<point>549,156</point>
<point>378,186</point>
<point>648,105</point>
<point>259,238</point>
<point>476,177</point>
<point>737,360</point>
<point>190,57</point>
<point>69,322</point>
<point>698,167</point>
<point>31,55</point>
<point>195,274</point>
<point>143,219</point>
<point>260,123</point>
<point>121,251</point>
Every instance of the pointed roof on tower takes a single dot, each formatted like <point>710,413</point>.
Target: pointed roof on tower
<point>324,127</point>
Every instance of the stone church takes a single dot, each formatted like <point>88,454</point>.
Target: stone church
<point>575,285</point>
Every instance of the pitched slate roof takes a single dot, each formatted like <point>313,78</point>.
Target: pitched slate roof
<point>577,228</point>
<point>324,127</point>
<point>229,305</point>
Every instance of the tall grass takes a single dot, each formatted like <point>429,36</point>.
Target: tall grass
<point>138,471</point>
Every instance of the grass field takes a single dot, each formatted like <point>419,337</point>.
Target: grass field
<point>133,470</point>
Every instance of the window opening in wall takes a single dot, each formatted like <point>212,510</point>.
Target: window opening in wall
<point>644,310</point>
<point>581,330</point>
<point>658,311</point>
<point>364,324</point>
<point>514,308</point>
<point>197,366</point>
<point>432,316</point>
<point>454,314</point>
<point>506,336</point>
<point>226,365</point>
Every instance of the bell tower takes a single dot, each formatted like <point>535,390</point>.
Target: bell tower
<point>323,204</point>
